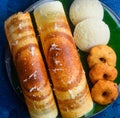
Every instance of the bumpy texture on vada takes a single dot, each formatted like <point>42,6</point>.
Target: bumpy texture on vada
<point>104,92</point>
<point>102,71</point>
<point>101,54</point>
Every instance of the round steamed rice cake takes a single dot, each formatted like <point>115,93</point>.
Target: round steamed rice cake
<point>84,9</point>
<point>91,32</point>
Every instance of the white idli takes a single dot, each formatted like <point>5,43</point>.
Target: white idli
<point>91,32</point>
<point>84,9</point>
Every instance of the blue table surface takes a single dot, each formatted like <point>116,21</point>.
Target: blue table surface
<point>10,105</point>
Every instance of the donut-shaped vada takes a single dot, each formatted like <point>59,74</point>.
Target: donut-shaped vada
<point>101,54</point>
<point>102,71</point>
<point>104,92</point>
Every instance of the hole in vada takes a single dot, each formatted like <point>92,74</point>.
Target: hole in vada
<point>104,93</point>
<point>102,59</point>
<point>105,76</point>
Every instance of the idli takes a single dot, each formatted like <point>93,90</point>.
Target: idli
<point>84,9</point>
<point>91,32</point>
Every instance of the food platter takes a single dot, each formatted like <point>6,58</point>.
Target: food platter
<point>113,22</point>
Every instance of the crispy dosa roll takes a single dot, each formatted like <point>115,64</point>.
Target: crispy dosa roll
<point>30,67</point>
<point>67,74</point>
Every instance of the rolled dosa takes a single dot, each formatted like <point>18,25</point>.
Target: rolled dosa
<point>66,71</point>
<point>30,66</point>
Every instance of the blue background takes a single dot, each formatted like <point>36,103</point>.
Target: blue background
<point>10,105</point>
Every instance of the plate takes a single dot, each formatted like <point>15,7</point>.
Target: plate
<point>113,22</point>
